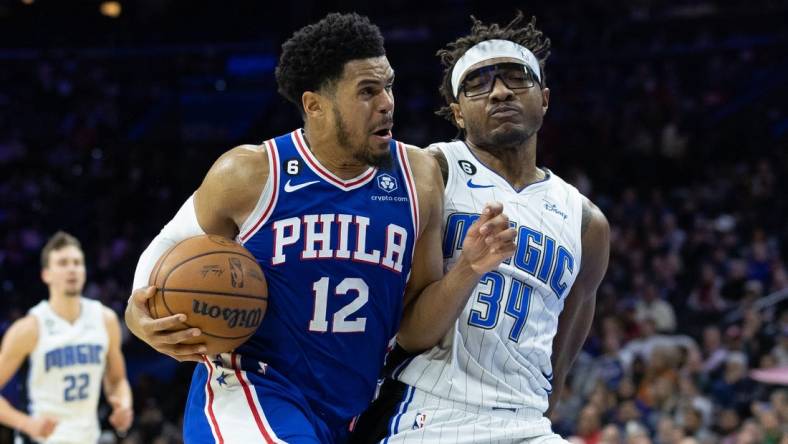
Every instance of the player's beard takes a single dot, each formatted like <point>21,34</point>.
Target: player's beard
<point>362,153</point>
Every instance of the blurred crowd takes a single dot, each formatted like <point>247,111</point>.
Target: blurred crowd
<point>672,119</point>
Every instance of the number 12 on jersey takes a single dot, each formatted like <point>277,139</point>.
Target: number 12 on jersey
<point>340,322</point>
<point>517,304</point>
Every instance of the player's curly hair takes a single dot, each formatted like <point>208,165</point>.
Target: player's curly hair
<point>316,54</point>
<point>528,36</point>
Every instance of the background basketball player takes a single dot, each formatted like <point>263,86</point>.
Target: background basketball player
<point>334,213</point>
<point>74,345</point>
<point>490,378</point>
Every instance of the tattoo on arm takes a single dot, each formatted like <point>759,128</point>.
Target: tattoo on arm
<point>586,217</point>
<point>442,163</point>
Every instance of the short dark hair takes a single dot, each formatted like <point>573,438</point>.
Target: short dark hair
<point>59,240</point>
<point>528,36</point>
<point>316,54</point>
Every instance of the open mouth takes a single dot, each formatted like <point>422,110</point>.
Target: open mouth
<point>383,132</point>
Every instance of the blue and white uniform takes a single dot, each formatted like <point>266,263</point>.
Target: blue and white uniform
<point>66,370</point>
<point>490,377</point>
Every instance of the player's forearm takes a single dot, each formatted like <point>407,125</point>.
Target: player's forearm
<point>427,319</point>
<point>572,333</point>
<point>11,417</point>
<point>119,390</point>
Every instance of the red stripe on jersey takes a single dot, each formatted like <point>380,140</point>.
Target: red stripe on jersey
<point>414,204</point>
<point>273,171</point>
<point>328,175</point>
<point>214,423</point>
<point>250,400</point>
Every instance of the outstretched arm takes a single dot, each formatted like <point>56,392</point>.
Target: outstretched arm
<point>116,386</point>
<point>18,342</point>
<point>578,314</point>
<point>433,301</point>
<point>220,205</point>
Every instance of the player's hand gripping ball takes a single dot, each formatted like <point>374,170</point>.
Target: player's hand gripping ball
<point>217,284</point>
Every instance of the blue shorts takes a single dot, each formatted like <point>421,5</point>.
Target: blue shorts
<point>233,399</point>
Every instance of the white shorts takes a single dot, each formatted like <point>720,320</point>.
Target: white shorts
<point>423,418</point>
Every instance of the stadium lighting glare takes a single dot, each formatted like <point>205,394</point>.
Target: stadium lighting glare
<point>28,2</point>
<point>111,9</point>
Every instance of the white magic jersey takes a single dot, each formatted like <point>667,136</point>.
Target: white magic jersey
<point>497,355</point>
<point>66,371</point>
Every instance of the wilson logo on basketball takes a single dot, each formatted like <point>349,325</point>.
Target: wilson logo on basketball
<point>234,317</point>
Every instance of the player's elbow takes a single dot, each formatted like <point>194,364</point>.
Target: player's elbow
<point>416,341</point>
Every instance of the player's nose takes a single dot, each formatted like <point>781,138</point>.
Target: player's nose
<point>500,92</point>
<point>386,102</point>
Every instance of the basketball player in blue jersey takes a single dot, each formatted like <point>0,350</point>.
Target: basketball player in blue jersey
<point>346,224</point>
<point>73,345</point>
<point>493,375</point>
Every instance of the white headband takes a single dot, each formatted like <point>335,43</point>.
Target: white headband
<point>491,49</point>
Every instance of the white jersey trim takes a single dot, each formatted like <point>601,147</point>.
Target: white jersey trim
<point>324,173</point>
<point>268,198</point>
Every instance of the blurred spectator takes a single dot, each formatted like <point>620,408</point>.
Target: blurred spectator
<point>650,306</point>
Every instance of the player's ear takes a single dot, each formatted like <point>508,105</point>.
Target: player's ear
<point>45,278</point>
<point>545,100</point>
<point>313,104</point>
<point>455,110</point>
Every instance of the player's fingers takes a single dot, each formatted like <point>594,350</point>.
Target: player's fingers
<point>505,236</point>
<point>503,250</point>
<point>141,295</point>
<point>181,350</point>
<point>495,225</point>
<point>172,322</point>
<point>178,336</point>
<point>49,427</point>
<point>490,210</point>
<point>190,358</point>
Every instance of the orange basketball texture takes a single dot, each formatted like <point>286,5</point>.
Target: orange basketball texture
<point>217,284</point>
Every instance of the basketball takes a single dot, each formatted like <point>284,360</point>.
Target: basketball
<point>217,284</point>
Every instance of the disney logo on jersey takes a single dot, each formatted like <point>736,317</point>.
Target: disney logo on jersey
<point>553,208</point>
<point>387,183</point>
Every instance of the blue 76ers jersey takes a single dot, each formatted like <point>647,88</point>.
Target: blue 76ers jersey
<point>337,255</point>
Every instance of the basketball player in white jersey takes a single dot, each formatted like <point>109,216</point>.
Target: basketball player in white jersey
<point>74,345</point>
<point>491,377</point>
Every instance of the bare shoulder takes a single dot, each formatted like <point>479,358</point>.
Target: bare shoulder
<point>593,219</point>
<point>109,315</point>
<point>242,166</point>
<point>596,244</point>
<point>232,186</point>
<point>425,168</point>
<point>443,164</point>
<point>21,337</point>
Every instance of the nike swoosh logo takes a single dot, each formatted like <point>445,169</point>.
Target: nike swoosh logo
<point>473,185</point>
<point>290,188</point>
